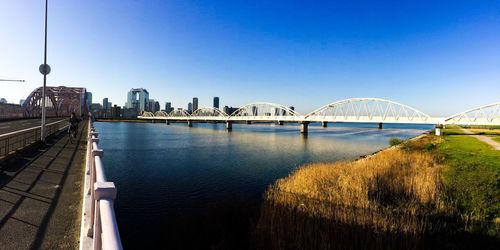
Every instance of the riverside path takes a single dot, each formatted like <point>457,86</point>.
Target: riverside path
<point>41,194</point>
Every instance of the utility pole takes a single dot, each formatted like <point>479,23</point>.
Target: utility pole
<point>45,70</point>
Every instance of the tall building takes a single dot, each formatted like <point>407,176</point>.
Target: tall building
<point>138,99</point>
<point>168,107</point>
<point>151,105</point>
<point>216,102</point>
<point>105,104</point>
<point>157,106</point>
<point>190,107</point>
<point>195,103</point>
<point>88,98</point>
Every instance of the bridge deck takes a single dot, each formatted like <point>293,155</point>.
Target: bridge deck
<point>12,126</point>
<point>40,195</point>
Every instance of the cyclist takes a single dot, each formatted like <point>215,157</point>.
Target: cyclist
<point>73,123</point>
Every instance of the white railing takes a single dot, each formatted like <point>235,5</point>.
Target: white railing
<point>13,141</point>
<point>99,227</point>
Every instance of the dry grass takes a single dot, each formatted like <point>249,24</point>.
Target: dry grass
<point>393,199</point>
<point>391,179</point>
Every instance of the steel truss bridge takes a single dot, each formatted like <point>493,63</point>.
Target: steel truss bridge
<point>357,110</point>
<point>60,102</point>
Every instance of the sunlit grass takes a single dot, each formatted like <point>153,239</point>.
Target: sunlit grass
<point>472,176</point>
<point>402,197</point>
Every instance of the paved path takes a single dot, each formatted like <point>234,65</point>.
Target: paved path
<point>11,126</point>
<point>40,196</point>
<point>486,139</point>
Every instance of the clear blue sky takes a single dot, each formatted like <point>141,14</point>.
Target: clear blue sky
<point>441,57</point>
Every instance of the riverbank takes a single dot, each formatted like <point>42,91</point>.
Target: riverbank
<point>122,120</point>
<point>428,192</point>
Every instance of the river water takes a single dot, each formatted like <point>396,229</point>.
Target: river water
<point>201,187</point>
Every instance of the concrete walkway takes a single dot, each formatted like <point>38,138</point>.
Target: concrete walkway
<point>483,138</point>
<point>40,195</point>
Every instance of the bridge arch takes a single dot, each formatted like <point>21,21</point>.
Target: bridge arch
<point>60,101</point>
<point>179,113</point>
<point>147,114</point>
<point>161,114</point>
<point>264,111</point>
<point>368,110</point>
<point>483,115</point>
<point>209,111</point>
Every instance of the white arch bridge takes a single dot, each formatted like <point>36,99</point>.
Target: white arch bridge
<point>361,110</point>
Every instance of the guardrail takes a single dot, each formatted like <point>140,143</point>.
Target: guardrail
<point>99,221</point>
<point>11,142</point>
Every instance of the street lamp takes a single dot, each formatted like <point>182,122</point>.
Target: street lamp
<point>45,70</point>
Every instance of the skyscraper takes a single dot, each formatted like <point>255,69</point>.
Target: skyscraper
<point>195,103</point>
<point>190,107</point>
<point>88,97</point>
<point>105,104</point>
<point>168,107</point>
<point>216,102</point>
<point>157,106</point>
<point>138,99</point>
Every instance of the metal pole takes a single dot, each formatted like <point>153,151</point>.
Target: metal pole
<point>44,72</point>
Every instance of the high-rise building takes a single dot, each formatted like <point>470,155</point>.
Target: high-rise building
<point>88,98</point>
<point>195,103</point>
<point>138,99</point>
<point>216,102</point>
<point>157,106</point>
<point>151,105</point>
<point>168,107</point>
<point>190,107</point>
<point>105,104</point>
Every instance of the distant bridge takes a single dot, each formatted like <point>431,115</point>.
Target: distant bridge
<point>358,110</point>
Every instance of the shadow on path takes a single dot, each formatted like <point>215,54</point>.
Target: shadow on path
<point>40,195</point>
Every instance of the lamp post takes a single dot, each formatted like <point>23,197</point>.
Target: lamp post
<point>45,70</point>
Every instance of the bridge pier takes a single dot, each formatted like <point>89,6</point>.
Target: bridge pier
<point>304,127</point>
<point>249,122</point>
<point>379,125</point>
<point>281,123</point>
<point>167,122</point>
<point>438,129</point>
<point>229,125</point>
<point>324,124</point>
<point>190,123</point>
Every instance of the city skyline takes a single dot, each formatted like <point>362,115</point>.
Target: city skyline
<point>288,53</point>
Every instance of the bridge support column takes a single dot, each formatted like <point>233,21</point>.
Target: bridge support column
<point>324,124</point>
<point>304,127</point>
<point>280,123</point>
<point>438,129</point>
<point>190,123</point>
<point>167,122</point>
<point>379,125</point>
<point>249,122</point>
<point>229,125</point>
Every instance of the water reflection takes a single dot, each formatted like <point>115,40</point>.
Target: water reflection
<point>171,179</point>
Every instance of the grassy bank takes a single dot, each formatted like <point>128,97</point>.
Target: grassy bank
<point>412,196</point>
<point>472,178</point>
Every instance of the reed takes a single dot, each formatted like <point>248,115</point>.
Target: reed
<point>393,199</point>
